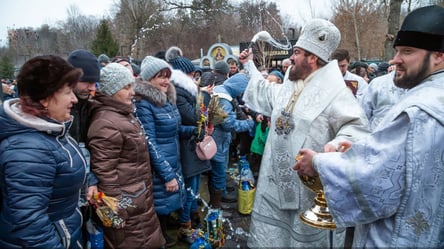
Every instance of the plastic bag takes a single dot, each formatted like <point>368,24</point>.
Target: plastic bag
<point>95,235</point>
<point>245,200</point>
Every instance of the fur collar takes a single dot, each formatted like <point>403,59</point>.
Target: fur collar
<point>180,79</point>
<point>144,89</point>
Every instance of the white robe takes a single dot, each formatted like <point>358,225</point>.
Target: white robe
<point>326,111</point>
<point>395,198</point>
<point>381,95</point>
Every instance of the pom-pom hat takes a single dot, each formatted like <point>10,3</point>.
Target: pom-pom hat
<point>183,64</point>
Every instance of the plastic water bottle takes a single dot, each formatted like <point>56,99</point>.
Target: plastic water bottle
<point>246,175</point>
<point>246,186</point>
<point>242,161</point>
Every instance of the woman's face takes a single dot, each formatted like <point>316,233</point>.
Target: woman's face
<point>161,81</point>
<point>125,95</point>
<point>60,103</point>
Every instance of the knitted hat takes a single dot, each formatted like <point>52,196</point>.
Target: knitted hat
<point>374,66</point>
<point>86,61</point>
<point>222,67</point>
<point>423,28</point>
<point>319,37</point>
<point>277,74</point>
<point>103,58</point>
<point>151,66</point>
<point>183,64</point>
<point>113,78</point>
<point>383,66</point>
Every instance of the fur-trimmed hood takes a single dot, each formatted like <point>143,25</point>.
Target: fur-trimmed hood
<point>180,79</point>
<point>144,89</point>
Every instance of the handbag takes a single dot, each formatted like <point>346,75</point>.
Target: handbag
<point>206,149</point>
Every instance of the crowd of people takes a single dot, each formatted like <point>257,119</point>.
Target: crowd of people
<point>78,129</point>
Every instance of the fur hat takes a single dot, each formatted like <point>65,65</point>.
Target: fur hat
<point>42,76</point>
<point>221,67</point>
<point>319,37</point>
<point>423,28</point>
<point>113,78</point>
<point>183,64</point>
<point>86,61</point>
<point>151,66</point>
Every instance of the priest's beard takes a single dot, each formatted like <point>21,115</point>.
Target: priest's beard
<point>410,78</point>
<point>301,71</point>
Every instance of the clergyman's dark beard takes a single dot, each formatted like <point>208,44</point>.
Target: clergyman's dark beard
<point>300,71</point>
<point>409,81</point>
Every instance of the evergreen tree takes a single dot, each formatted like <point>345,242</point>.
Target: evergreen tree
<point>104,42</point>
<point>6,68</point>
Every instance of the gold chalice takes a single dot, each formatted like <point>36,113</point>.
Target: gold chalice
<point>318,215</point>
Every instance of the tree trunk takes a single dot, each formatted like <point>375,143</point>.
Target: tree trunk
<point>355,28</point>
<point>393,27</point>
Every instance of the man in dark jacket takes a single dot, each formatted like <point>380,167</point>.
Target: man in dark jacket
<point>88,62</point>
<point>84,89</point>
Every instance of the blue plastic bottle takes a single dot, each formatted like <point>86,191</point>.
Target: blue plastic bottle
<point>246,174</point>
<point>246,186</point>
<point>242,161</point>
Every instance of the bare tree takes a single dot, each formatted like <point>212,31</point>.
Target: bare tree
<point>197,22</point>
<point>393,27</point>
<point>136,22</point>
<point>79,29</point>
<point>362,28</point>
<point>48,41</point>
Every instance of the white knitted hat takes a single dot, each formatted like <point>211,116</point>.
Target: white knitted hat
<point>319,37</point>
<point>114,77</point>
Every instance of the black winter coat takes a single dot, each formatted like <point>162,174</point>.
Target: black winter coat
<point>186,92</point>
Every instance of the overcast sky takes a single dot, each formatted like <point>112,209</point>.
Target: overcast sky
<point>34,13</point>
